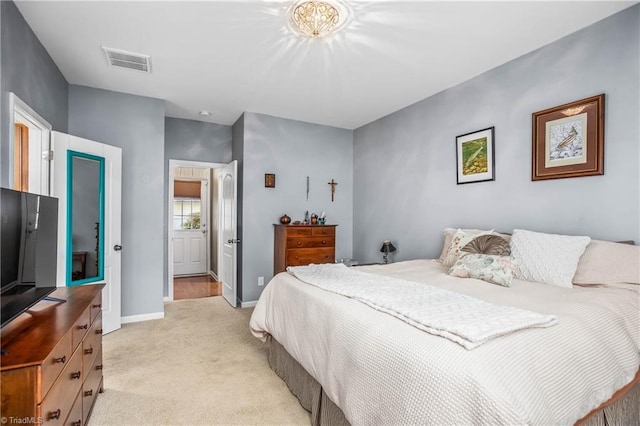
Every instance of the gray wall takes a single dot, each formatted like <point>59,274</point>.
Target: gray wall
<point>27,70</point>
<point>196,141</point>
<point>136,124</point>
<point>292,150</point>
<point>404,166</point>
<point>191,140</point>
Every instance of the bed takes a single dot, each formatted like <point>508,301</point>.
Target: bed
<point>349,363</point>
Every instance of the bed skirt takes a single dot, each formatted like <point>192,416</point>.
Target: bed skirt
<point>308,391</point>
<point>324,412</point>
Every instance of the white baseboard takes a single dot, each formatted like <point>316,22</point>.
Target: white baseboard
<point>143,317</point>
<point>250,304</point>
<point>213,275</point>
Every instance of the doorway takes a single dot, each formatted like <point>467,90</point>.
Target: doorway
<point>193,230</point>
<point>29,149</point>
<point>190,222</point>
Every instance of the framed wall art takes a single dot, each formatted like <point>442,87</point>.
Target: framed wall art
<point>269,180</point>
<point>475,156</point>
<point>568,140</point>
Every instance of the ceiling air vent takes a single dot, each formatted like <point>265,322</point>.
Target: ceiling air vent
<point>130,60</point>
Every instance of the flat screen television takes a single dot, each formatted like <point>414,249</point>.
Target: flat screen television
<point>28,250</point>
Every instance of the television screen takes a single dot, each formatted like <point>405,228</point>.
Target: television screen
<point>28,250</point>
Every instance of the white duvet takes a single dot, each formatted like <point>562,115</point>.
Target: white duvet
<point>381,371</point>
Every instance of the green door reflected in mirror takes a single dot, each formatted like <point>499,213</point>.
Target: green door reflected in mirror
<point>85,218</point>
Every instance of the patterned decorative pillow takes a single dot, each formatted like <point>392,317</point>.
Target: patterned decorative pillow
<point>486,267</point>
<point>547,258</point>
<point>460,239</point>
<point>488,244</point>
<point>448,235</point>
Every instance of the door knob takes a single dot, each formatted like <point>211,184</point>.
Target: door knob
<point>117,247</point>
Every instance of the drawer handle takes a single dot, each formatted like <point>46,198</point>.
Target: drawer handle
<point>99,331</point>
<point>299,242</point>
<point>296,257</point>
<point>324,242</point>
<point>88,393</point>
<point>83,327</point>
<point>99,367</point>
<point>88,351</point>
<point>75,375</point>
<point>62,360</point>
<point>77,423</point>
<point>98,306</point>
<point>53,415</point>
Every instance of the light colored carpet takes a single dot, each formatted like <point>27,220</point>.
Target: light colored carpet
<point>199,365</point>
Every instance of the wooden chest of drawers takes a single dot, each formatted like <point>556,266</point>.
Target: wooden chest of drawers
<point>52,362</point>
<point>296,245</point>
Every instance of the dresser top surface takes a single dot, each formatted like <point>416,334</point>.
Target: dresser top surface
<point>29,338</point>
<point>303,226</point>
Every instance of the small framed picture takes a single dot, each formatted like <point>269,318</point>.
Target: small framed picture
<point>269,180</point>
<point>568,140</point>
<point>474,156</point>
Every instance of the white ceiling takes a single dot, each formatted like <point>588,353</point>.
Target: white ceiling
<point>233,56</point>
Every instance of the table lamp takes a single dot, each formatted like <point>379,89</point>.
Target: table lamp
<point>387,248</point>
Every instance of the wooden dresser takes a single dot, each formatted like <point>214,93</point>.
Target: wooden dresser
<point>51,366</point>
<point>296,245</point>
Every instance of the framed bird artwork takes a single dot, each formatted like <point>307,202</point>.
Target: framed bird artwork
<point>568,140</point>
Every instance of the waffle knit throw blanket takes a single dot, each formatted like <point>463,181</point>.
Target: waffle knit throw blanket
<point>463,319</point>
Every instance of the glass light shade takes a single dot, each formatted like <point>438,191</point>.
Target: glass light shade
<point>314,18</point>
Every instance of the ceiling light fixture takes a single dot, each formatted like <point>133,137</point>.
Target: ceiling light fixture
<point>315,18</point>
<point>204,113</point>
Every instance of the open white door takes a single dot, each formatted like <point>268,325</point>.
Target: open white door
<point>228,229</point>
<point>99,260</point>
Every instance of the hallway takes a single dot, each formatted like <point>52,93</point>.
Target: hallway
<point>195,287</point>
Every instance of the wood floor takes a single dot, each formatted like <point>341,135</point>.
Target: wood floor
<point>195,287</point>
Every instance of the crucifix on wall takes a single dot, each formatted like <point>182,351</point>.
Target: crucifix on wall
<point>333,184</point>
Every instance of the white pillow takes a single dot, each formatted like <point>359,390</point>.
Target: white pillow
<point>547,258</point>
<point>606,263</point>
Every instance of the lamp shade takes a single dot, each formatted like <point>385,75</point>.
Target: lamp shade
<point>387,247</point>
